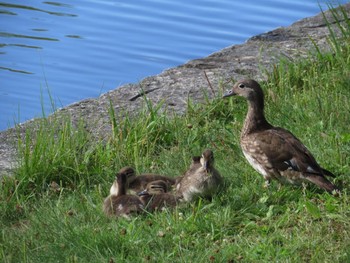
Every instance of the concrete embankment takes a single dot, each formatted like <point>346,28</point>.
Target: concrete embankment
<point>175,86</point>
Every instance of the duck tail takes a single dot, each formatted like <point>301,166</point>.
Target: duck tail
<point>328,173</point>
<point>323,183</point>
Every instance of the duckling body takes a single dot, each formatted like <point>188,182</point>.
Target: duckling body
<point>157,197</point>
<point>201,179</point>
<point>120,204</point>
<point>138,183</point>
<point>275,152</point>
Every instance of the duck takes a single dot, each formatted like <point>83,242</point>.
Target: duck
<point>157,196</point>
<point>275,152</point>
<point>138,183</point>
<point>201,179</point>
<point>119,203</point>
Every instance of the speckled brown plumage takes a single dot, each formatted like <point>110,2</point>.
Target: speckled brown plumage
<point>119,203</point>
<point>138,183</point>
<point>275,152</point>
<point>201,179</point>
<point>157,197</point>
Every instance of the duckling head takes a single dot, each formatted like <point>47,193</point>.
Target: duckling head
<point>157,187</point>
<point>154,188</point>
<point>129,171</point>
<point>207,159</point>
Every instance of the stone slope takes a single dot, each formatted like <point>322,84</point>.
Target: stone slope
<point>175,86</point>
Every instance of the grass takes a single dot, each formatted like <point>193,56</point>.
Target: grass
<point>243,223</point>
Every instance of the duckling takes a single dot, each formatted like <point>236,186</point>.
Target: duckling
<point>118,203</point>
<point>138,183</point>
<point>275,152</point>
<point>201,179</point>
<point>157,197</point>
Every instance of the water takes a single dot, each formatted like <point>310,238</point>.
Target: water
<point>66,51</point>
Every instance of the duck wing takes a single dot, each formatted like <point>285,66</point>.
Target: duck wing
<point>285,151</point>
<point>280,151</point>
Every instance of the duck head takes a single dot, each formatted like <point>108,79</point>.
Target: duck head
<point>247,88</point>
<point>155,187</point>
<point>129,171</point>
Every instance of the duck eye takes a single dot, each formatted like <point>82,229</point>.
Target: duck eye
<point>241,86</point>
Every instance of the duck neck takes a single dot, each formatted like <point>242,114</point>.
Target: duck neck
<point>255,119</point>
<point>122,190</point>
<point>122,186</point>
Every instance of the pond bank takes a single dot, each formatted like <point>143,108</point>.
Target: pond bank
<point>175,86</point>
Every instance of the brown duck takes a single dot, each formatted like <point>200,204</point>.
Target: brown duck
<point>120,204</point>
<point>201,179</point>
<point>157,197</point>
<point>272,151</point>
<point>138,183</point>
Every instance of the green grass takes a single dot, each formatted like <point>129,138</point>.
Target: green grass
<point>243,223</point>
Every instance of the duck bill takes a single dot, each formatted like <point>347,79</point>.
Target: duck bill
<point>229,94</point>
<point>144,192</point>
<point>206,166</point>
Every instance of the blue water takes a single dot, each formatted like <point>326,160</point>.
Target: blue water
<point>66,51</point>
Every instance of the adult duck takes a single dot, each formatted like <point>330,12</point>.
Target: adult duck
<point>272,151</point>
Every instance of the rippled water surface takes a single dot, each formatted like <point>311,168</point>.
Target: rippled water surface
<point>66,51</point>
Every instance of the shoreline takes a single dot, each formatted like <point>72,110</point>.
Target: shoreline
<point>176,85</point>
